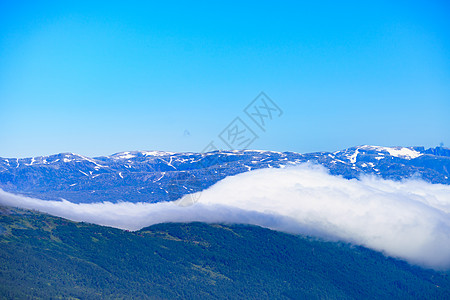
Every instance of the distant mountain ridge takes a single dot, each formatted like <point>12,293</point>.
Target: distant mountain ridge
<point>155,176</point>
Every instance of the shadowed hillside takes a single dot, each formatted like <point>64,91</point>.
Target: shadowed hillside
<point>43,256</point>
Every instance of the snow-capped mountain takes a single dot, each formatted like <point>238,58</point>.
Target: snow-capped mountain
<point>154,176</point>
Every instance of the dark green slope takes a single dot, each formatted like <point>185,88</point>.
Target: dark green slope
<point>47,257</point>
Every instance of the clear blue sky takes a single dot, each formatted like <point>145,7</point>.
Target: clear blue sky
<point>96,79</point>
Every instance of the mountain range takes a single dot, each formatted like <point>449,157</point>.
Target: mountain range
<point>47,257</point>
<point>155,176</point>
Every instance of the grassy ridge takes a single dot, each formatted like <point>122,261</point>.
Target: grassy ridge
<point>47,257</point>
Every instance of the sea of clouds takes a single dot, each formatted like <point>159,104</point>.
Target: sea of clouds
<point>407,219</point>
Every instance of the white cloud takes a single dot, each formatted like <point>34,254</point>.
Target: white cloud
<point>408,219</point>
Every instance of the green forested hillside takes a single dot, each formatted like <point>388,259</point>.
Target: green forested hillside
<point>52,258</point>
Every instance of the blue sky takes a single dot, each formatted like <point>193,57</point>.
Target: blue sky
<point>101,78</point>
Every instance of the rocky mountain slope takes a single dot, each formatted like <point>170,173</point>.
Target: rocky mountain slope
<point>154,176</point>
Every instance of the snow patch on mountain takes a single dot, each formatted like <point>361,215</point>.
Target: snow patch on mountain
<point>123,155</point>
<point>401,152</point>
<point>352,158</point>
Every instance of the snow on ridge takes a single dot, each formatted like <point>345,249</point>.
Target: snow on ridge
<point>156,153</point>
<point>89,160</point>
<point>133,154</point>
<point>263,151</point>
<point>401,152</point>
<point>123,155</point>
<point>404,152</point>
<point>69,157</point>
<point>352,158</point>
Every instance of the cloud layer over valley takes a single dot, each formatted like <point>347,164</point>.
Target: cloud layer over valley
<point>408,219</point>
